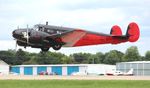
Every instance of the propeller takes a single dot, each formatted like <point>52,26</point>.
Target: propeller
<point>27,35</point>
<point>16,46</point>
<point>16,41</point>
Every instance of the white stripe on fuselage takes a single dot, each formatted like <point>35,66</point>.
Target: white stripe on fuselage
<point>72,38</point>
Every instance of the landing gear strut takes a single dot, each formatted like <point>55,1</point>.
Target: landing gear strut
<point>44,49</point>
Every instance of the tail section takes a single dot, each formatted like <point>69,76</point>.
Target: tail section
<point>116,31</point>
<point>133,32</point>
<point>130,71</point>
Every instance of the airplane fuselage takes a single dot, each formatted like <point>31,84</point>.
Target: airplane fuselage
<point>46,36</point>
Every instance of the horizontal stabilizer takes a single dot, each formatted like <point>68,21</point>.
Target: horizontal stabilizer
<point>132,34</point>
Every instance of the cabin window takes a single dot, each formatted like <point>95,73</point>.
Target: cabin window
<point>36,28</point>
<point>50,31</point>
<point>40,28</point>
<point>58,32</point>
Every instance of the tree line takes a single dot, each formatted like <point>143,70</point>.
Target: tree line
<point>20,57</point>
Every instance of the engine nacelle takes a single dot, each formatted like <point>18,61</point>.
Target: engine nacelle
<point>21,43</point>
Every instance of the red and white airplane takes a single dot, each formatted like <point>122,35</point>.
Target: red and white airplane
<point>120,73</point>
<point>46,36</point>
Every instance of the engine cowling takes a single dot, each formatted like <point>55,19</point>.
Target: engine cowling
<point>21,43</point>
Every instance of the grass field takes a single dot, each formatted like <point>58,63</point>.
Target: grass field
<point>73,84</point>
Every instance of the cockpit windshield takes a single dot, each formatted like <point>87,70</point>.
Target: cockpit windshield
<point>37,28</point>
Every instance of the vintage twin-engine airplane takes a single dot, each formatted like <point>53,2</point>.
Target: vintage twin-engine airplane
<point>46,36</point>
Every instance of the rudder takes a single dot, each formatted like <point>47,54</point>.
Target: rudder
<point>133,32</point>
<point>116,31</point>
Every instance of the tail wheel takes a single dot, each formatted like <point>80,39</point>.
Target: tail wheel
<point>44,49</point>
<point>57,47</point>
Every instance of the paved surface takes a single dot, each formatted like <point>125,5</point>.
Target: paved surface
<point>21,77</point>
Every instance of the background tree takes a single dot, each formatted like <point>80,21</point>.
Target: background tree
<point>147,56</point>
<point>83,58</point>
<point>8,56</point>
<point>113,57</point>
<point>32,60</point>
<point>49,58</point>
<point>96,58</point>
<point>21,56</point>
<point>132,54</point>
<point>67,60</point>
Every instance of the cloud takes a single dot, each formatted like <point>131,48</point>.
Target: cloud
<point>94,4</point>
<point>93,15</point>
<point>93,19</point>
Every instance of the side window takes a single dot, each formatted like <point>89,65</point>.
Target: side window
<point>58,32</point>
<point>40,28</point>
<point>43,29</point>
<point>50,31</point>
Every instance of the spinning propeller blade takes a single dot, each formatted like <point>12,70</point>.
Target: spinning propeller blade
<point>27,35</point>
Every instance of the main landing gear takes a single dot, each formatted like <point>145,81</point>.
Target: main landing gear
<point>44,49</point>
<point>55,47</point>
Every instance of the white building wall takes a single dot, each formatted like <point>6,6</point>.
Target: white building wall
<point>4,69</point>
<point>96,69</point>
<point>140,68</point>
<point>34,70</point>
<point>64,70</point>
<point>21,70</point>
<point>49,69</point>
<point>83,69</point>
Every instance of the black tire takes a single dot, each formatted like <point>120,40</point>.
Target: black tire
<point>44,49</point>
<point>57,47</point>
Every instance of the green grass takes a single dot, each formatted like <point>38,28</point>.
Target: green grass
<point>73,84</point>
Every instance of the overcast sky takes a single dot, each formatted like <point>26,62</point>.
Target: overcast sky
<point>93,15</point>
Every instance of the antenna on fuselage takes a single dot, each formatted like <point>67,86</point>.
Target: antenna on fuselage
<point>46,22</point>
<point>17,27</point>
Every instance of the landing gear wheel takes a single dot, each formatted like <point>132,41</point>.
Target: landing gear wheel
<point>44,49</point>
<point>56,47</point>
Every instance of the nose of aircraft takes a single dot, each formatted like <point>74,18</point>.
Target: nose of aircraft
<point>16,33</point>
